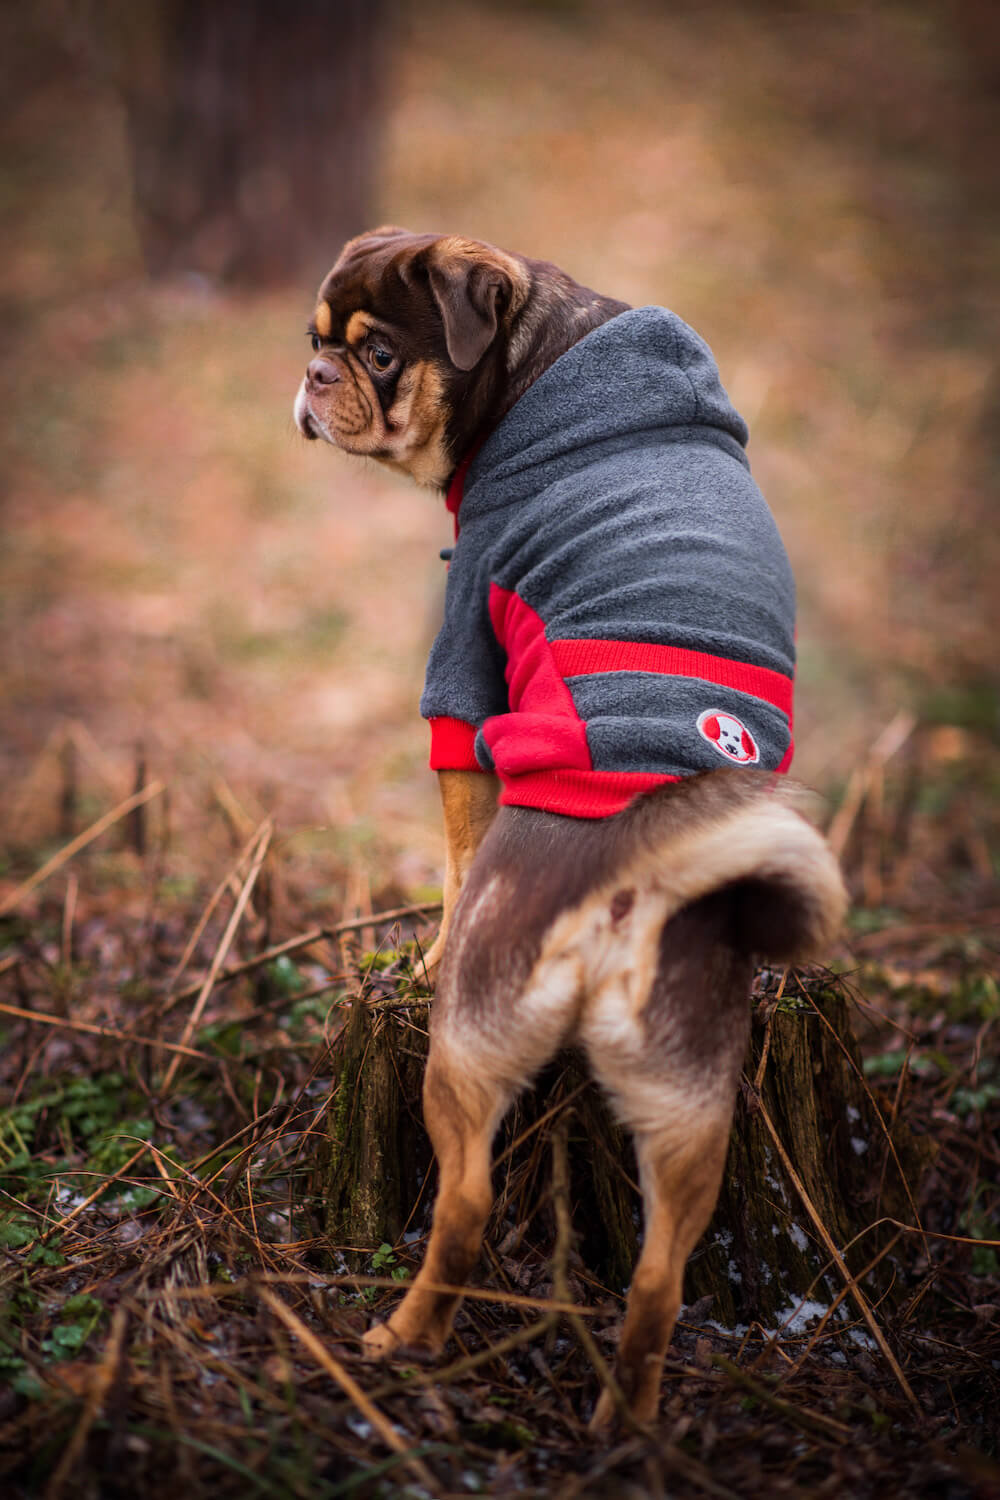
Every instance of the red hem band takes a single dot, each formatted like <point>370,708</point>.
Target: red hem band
<point>580,794</point>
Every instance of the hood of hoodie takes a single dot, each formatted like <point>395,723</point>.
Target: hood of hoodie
<point>619,609</point>
<point>645,372</point>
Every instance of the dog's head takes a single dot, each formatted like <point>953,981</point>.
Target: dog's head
<point>422,342</point>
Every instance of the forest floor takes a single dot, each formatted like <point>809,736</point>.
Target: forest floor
<point>212,762</point>
<point>172,1313</point>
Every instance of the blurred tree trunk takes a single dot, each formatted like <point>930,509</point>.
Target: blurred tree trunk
<point>253,129</point>
<point>763,1251</point>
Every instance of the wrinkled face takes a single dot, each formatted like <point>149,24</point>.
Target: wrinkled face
<point>401,327</point>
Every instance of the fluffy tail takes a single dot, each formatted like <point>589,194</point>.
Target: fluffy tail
<point>790,895</point>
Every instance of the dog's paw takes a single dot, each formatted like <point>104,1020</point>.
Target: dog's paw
<point>380,1343</point>
<point>383,1342</point>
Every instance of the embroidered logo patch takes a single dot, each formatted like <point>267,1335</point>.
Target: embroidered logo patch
<point>729,736</point>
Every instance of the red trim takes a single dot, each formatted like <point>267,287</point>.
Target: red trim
<point>543,729</point>
<point>579,658</point>
<point>456,487</point>
<point>453,745</point>
<point>453,498</point>
<point>580,794</point>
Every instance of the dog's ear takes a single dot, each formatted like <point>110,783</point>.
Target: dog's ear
<point>473,286</point>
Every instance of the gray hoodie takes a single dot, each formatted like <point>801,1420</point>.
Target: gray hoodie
<point>620,609</point>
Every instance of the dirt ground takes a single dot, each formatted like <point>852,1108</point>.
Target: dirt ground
<point>191,595</point>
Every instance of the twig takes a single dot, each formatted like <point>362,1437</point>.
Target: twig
<point>809,1421</point>
<point>459,1367</point>
<point>472,1294</point>
<point>306,940</point>
<point>44,1019</point>
<point>840,1263</point>
<point>9,903</point>
<point>844,1292</point>
<point>97,1193</point>
<point>765,1050</point>
<point>260,850</point>
<point>199,928</point>
<point>852,1064</point>
<point>892,739</point>
<point>536,1125</point>
<point>350,1387</point>
<point>560,1284</point>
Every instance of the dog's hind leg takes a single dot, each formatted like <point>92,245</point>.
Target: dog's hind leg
<point>670,1061</point>
<point>680,1173</point>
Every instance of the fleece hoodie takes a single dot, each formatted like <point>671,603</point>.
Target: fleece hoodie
<point>620,609</point>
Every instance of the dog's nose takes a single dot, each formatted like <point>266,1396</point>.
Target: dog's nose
<point>322,371</point>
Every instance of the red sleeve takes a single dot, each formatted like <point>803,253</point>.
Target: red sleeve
<point>453,745</point>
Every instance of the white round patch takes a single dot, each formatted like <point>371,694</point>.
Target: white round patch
<point>729,736</point>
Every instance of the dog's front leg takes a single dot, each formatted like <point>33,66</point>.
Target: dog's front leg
<point>469,804</point>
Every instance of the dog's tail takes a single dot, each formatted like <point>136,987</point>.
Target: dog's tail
<point>789,895</point>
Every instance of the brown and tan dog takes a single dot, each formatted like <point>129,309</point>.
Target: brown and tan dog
<point>632,936</point>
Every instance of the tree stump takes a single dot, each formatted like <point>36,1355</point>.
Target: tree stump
<point>810,1161</point>
<point>378,1152</point>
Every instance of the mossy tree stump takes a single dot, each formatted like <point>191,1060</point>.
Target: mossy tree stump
<point>803,1102</point>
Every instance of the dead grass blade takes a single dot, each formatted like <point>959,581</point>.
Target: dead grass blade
<point>472,1294</point>
<point>42,1018</point>
<point>350,1387</point>
<point>809,1421</point>
<point>469,1362</point>
<point>859,1074</point>
<point>260,848</point>
<point>12,901</point>
<point>560,1279</point>
<point>94,1196</point>
<point>199,927</point>
<point>863,778</point>
<point>307,939</point>
<point>859,1297</point>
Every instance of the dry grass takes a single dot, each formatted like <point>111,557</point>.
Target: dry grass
<point>170,1314</point>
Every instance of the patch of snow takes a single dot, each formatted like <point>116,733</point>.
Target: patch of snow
<point>795,1318</point>
<point>797,1237</point>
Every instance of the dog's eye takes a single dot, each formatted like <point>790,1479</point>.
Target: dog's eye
<point>316,341</point>
<point>380,358</point>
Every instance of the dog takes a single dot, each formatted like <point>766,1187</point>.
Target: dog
<point>610,701</point>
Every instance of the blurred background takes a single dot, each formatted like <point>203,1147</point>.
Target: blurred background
<point>192,592</point>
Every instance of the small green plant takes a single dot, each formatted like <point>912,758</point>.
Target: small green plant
<point>78,1317</point>
<point>18,1231</point>
<point>979,1225</point>
<point>384,1260</point>
<point>284,976</point>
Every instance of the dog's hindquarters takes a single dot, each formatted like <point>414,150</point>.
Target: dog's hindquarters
<point>633,937</point>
